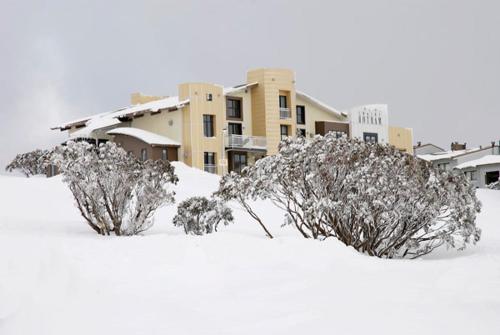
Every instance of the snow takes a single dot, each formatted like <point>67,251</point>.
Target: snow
<point>144,135</point>
<point>490,159</point>
<point>446,154</point>
<point>58,277</point>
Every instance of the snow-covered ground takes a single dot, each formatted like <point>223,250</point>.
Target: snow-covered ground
<point>58,277</point>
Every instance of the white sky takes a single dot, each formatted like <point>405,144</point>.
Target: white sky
<point>435,63</point>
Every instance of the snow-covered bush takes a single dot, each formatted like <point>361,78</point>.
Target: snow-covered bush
<point>494,186</point>
<point>370,196</point>
<point>244,189</point>
<point>199,215</point>
<point>30,163</point>
<point>114,191</point>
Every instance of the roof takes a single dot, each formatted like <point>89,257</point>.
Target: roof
<point>98,122</point>
<point>427,145</point>
<point>486,160</point>
<point>229,90</point>
<point>152,106</point>
<point>446,154</point>
<point>320,104</point>
<point>145,136</point>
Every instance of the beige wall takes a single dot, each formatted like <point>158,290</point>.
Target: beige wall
<point>139,98</point>
<point>401,138</point>
<point>265,104</point>
<point>313,114</point>
<point>165,123</point>
<point>246,106</point>
<point>195,144</point>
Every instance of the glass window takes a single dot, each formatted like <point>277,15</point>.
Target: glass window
<point>209,162</point>
<point>370,137</point>
<point>283,102</point>
<point>301,115</point>
<point>144,154</point>
<point>234,129</point>
<point>208,125</point>
<point>209,96</point>
<point>301,132</point>
<point>164,154</point>
<point>233,108</point>
<point>283,132</point>
<point>239,162</point>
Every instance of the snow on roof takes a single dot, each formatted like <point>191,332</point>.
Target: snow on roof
<point>446,154</point>
<point>486,160</point>
<point>320,104</point>
<point>426,145</point>
<point>143,135</point>
<point>229,90</point>
<point>152,106</point>
<point>95,123</point>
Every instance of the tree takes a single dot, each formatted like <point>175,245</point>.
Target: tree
<point>30,163</point>
<point>114,191</point>
<point>199,215</point>
<point>244,189</point>
<point>370,196</point>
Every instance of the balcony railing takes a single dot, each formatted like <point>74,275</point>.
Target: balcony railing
<point>285,113</point>
<point>210,168</point>
<point>246,142</point>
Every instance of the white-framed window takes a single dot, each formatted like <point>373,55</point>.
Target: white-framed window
<point>164,154</point>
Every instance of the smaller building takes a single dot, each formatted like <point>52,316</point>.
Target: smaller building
<point>448,160</point>
<point>483,171</point>
<point>426,149</point>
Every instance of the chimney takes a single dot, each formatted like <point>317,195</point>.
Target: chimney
<point>139,98</point>
<point>458,146</point>
<point>492,144</point>
<point>419,144</point>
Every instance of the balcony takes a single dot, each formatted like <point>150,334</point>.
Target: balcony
<point>285,113</point>
<point>210,168</point>
<point>246,142</point>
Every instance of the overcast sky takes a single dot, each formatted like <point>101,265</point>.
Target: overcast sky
<point>435,63</point>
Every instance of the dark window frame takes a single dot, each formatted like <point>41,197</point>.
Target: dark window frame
<point>234,125</point>
<point>237,113</point>
<point>370,135</point>
<point>302,114</point>
<point>208,125</point>
<point>283,98</point>
<point>284,135</point>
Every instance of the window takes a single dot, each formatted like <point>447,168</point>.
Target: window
<point>208,125</point>
<point>209,96</point>
<point>283,132</point>
<point>233,108</point>
<point>491,177</point>
<point>144,154</point>
<point>209,162</point>
<point>239,161</point>
<point>301,132</point>
<point>338,134</point>
<point>234,129</point>
<point>301,115</point>
<point>370,137</point>
<point>164,154</point>
<point>283,102</point>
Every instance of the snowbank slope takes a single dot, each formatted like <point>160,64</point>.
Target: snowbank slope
<point>58,277</point>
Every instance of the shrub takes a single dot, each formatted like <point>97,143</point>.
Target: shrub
<point>199,215</point>
<point>30,163</point>
<point>114,191</point>
<point>370,196</point>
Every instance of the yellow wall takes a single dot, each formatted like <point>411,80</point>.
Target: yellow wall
<point>195,144</point>
<point>139,98</point>
<point>265,104</point>
<point>168,124</point>
<point>313,114</point>
<point>401,138</point>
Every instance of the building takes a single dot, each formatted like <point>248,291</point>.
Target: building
<point>448,160</point>
<point>483,171</point>
<point>220,129</point>
<point>425,149</point>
